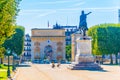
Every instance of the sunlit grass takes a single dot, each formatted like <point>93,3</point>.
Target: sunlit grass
<point>3,72</point>
<point>3,75</point>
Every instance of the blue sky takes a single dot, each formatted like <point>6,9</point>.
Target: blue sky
<point>37,13</point>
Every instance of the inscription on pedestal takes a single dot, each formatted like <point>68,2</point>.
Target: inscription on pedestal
<point>84,46</point>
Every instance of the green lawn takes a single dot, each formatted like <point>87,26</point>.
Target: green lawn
<point>3,72</point>
<point>3,75</point>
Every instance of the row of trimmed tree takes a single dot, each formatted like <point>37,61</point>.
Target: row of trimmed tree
<point>105,40</point>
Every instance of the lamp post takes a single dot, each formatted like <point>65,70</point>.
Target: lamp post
<point>14,67</point>
<point>8,71</point>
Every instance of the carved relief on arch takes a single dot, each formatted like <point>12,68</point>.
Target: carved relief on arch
<point>59,50</point>
<point>37,47</point>
<point>59,43</point>
<point>36,44</point>
<point>37,50</point>
<point>59,46</point>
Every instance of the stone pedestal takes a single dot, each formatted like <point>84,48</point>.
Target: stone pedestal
<point>84,59</point>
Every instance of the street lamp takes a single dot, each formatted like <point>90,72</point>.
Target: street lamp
<point>8,53</point>
<point>14,67</point>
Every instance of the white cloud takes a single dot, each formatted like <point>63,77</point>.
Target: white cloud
<point>37,12</point>
<point>101,8</point>
<point>54,2</point>
<point>46,13</point>
<point>78,4</point>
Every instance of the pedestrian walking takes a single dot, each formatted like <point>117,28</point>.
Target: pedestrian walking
<point>53,64</point>
<point>58,65</point>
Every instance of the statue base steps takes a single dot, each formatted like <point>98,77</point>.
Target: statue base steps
<point>84,66</point>
<point>84,60</point>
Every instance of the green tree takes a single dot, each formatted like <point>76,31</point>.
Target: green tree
<point>2,50</point>
<point>8,13</point>
<point>68,52</point>
<point>16,43</point>
<point>105,39</point>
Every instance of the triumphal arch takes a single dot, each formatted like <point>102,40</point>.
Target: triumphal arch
<point>48,44</point>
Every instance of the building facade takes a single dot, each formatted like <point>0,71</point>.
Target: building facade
<point>27,48</point>
<point>68,31</point>
<point>48,44</point>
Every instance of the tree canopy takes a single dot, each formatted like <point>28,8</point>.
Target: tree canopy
<point>8,13</point>
<point>16,43</point>
<point>105,38</point>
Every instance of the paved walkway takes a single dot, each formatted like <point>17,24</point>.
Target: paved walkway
<point>45,72</point>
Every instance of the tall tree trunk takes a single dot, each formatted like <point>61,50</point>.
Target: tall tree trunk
<point>111,59</point>
<point>1,60</point>
<point>103,57</point>
<point>116,58</point>
<point>102,61</point>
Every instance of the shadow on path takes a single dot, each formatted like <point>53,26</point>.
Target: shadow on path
<point>24,65</point>
<point>94,70</point>
<point>111,64</point>
<point>99,70</point>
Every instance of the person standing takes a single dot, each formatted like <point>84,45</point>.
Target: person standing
<point>53,64</point>
<point>58,65</point>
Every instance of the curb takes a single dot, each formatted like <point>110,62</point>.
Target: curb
<point>13,77</point>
